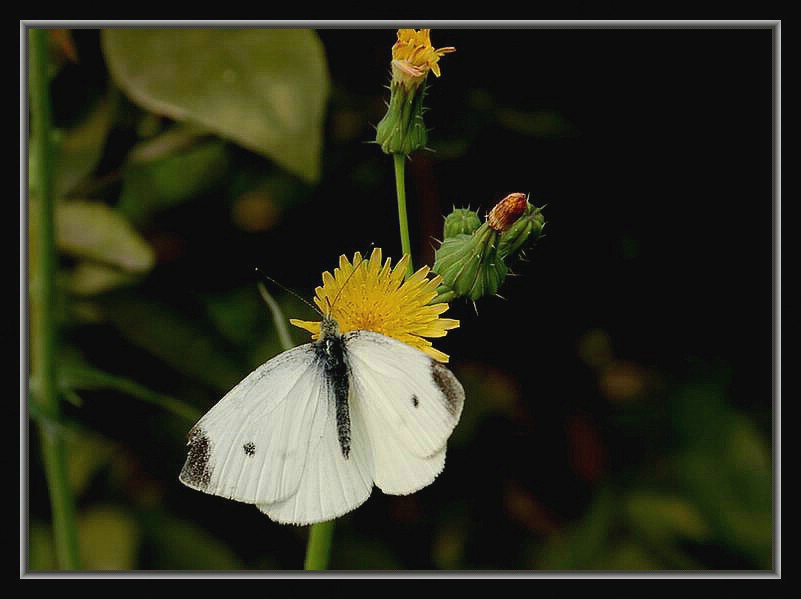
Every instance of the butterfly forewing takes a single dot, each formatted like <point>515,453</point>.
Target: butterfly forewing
<point>411,404</point>
<point>253,445</point>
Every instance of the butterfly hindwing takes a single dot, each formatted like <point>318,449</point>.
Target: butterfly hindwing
<point>254,444</point>
<point>332,484</point>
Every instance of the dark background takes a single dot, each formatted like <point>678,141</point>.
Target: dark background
<point>619,399</point>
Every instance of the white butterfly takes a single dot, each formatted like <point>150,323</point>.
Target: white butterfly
<point>307,434</point>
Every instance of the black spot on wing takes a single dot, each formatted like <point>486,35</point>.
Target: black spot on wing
<point>449,386</point>
<point>415,401</point>
<point>197,470</point>
<point>250,448</point>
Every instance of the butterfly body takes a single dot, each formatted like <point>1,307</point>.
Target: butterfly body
<point>308,434</point>
<point>330,351</point>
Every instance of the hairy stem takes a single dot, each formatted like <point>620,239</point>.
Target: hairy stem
<point>42,305</point>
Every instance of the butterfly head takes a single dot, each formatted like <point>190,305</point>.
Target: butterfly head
<point>328,327</point>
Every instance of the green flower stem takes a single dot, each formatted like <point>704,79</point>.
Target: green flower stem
<point>400,186</point>
<point>318,548</point>
<point>42,305</point>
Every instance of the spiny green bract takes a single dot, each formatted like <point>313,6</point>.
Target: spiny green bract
<point>402,130</point>
<point>524,232</point>
<point>462,221</point>
<point>475,264</point>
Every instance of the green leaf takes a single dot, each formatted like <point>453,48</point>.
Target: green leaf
<point>354,551</point>
<point>176,544</point>
<point>733,489</point>
<point>176,139</point>
<point>79,149</point>
<point>95,231</point>
<point>586,540</point>
<point>242,317</point>
<point>179,341</point>
<point>77,376</point>
<point>151,186</point>
<point>627,555</point>
<point>87,454</point>
<point>265,89</point>
<point>41,550</point>
<point>664,517</point>
<point>109,539</point>
<point>91,278</point>
<point>726,470</point>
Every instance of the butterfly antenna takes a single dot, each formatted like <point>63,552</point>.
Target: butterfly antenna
<point>341,289</point>
<point>287,289</point>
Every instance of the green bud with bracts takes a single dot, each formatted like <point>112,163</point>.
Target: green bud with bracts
<point>469,264</point>
<point>462,221</point>
<point>402,130</point>
<point>522,234</point>
<point>474,261</point>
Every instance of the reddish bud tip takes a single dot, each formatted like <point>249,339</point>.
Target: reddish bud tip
<point>507,211</point>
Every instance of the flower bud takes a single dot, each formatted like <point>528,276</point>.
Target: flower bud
<point>473,261</point>
<point>525,231</point>
<point>469,264</point>
<point>402,130</point>
<point>462,221</point>
<point>507,211</point>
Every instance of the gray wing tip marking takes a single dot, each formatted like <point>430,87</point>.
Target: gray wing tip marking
<point>450,387</point>
<point>196,472</point>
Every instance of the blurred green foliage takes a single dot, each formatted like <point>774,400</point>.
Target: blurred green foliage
<point>187,151</point>
<point>153,184</point>
<point>266,92</point>
<point>712,489</point>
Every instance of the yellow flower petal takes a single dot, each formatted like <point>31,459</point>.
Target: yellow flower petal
<point>376,298</point>
<point>414,56</point>
<point>312,327</point>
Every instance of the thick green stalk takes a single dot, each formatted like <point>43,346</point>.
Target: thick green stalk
<point>400,186</point>
<point>318,550</point>
<point>42,304</point>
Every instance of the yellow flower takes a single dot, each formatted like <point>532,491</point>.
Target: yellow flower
<point>376,298</point>
<point>413,56</point>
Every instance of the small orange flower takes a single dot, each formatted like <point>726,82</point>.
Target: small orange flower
<point>413,56</point>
